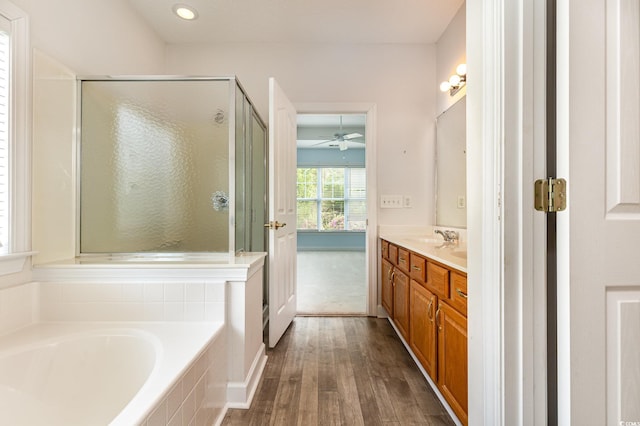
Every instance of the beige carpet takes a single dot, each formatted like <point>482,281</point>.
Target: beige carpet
<point>331,282</point>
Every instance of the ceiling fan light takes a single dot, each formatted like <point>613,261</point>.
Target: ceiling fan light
<point>343,145</point>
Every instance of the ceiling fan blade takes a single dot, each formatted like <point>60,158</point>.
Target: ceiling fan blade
<point>352,135</point>
<point>320,143</point>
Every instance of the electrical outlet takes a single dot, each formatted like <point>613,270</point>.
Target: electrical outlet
<point>462,202</point>
<point>391,201</point>
<point>408,202</point>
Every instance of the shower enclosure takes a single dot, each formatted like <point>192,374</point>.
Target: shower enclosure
<point>170,165</point>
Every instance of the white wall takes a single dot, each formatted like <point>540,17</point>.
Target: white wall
<point>73,37</point>
<point>399,79</point>
<point>450,52</point>
<point>94,37</point>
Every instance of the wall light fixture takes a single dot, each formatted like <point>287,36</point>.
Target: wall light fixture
<point>456,81</point>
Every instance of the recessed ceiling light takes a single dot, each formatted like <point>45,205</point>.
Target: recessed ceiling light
<point>185,12</point>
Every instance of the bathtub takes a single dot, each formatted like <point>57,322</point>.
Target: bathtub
<point>103,373</point>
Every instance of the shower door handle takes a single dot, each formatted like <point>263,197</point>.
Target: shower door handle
<point>275,225</point>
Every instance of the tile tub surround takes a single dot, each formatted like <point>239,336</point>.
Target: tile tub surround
<point>182,291</point>
<point>18,307</point>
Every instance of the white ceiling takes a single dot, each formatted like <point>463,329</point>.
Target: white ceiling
<point>301,21</point>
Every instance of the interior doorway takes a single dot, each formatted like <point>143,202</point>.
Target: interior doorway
<point>332,209</point>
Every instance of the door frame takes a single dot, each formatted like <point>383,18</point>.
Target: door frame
<point>370,164</point>
<point>507,243</point>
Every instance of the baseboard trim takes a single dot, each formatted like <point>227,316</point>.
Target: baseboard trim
<point>240,394</point>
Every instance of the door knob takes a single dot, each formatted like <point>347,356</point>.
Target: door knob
<point>275,225</point>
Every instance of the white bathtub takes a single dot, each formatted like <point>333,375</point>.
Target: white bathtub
<point>98,373</point>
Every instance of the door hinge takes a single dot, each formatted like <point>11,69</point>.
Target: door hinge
<point>550,195</point>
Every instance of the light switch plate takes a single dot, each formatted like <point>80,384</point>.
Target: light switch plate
<point>391,201</point>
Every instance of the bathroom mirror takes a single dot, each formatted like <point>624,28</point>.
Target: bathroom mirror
<point>451,166</point>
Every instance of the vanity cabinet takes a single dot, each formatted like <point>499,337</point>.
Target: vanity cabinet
<point>422,326</point>
<point>452,358</point>
<point>386,270</point>
<point>427,302</point>
<point>401,301</point>
<point>395,285</point>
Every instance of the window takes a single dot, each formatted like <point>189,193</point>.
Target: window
<point>15,169</point>
<point>331,199</point>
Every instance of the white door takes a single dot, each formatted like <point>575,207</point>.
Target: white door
<point>599,234</point>
<point>282,212</point>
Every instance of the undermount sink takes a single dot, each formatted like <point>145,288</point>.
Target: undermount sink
<point>459,253</point>
<point>429,240</point>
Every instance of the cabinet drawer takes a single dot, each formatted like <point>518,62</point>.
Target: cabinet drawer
<point>385,249</point>
<point>438,280</point>
<point>418,265</point>
<point>393,253</point>
<point>458,292</point>
<point>403,259</point>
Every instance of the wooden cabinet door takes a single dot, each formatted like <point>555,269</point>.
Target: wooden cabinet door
<point>422,327</point>
<point>387,286</point>
<point>452,358</point>
<point>401,302</point>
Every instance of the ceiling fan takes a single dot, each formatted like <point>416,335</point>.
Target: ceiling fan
<point>342,138</point>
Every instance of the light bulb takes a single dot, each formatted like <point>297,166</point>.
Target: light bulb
<point>461,69</point>
<point>185,12</point>
<point>454,80</point>
<point>445,86</point>
<point>342,145</point>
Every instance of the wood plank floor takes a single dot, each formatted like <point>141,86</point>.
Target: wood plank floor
<point>341,371</point>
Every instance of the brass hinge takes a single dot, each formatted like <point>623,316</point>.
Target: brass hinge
<point>550,195</point>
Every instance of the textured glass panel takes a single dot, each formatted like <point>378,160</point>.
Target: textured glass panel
<point>154,166</point>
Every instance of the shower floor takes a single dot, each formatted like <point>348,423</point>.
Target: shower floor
<point>331,282</point>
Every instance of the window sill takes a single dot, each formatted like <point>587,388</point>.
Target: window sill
<point>12,263</point>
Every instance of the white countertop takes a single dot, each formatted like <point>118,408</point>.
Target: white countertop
<point>431,246</point>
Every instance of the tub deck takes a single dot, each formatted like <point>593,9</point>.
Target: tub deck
<point>185,350</point>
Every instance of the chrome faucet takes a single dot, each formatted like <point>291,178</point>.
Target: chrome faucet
<point>448,235</point>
